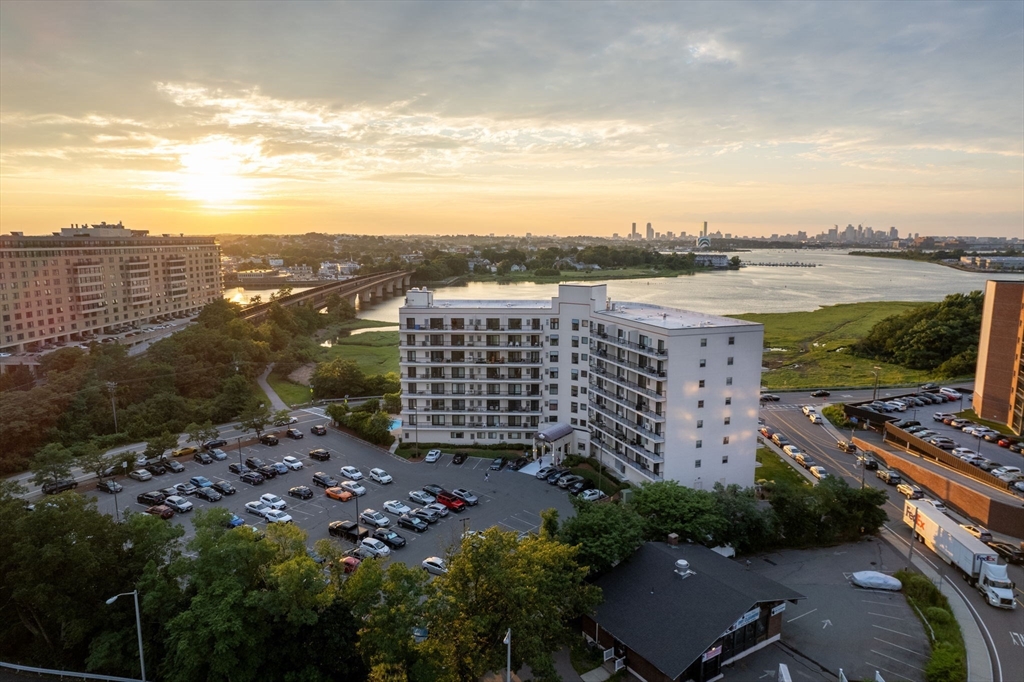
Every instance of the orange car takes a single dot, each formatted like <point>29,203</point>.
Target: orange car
<point>339,494</point>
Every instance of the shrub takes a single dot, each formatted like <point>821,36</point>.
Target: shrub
<point>946,664</point>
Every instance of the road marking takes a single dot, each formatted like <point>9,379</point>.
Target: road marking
<point>1017,638</point>
<point>977,617</point>
<point>801,615</point>
<point>893,658</point>
<point>928,655</point>
<point>879,667</point>
<point>825,623</point>
<point>882,615</point>
<point>880,603</point>
<point>891,630</point>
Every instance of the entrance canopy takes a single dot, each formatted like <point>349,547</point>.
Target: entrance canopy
<point>554,433</point>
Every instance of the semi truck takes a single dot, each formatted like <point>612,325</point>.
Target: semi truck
<point>975,560</point>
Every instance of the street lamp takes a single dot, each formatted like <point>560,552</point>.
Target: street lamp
<point>138,625</point>
<point>112,387</point>
<point>117,513</point>
<point>239,439</point>
<point>416,427</point>
<point>875,371</point>
<point>508,660</point>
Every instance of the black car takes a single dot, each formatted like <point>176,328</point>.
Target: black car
<point>174,465</point>
<point>868,461</point>
<point>434,489</point>
<point>268,439</point>
<point>553,477</point>
<point>324,480</point>
<point>156,469</point>
<point>769,397</point>
<point>266,471</point>
<point>579,486</point>
<point>518,463</point>
<point>203,458</point>
<point>208,494</point>
<point>319,455</point>
<point>237,468</point>
<point>224,488</point>
<point>254,462</point>
<point>252,478</point>
<point>459,458</point>
<point>294,434</point>
<point>820,393</point>
<point>151,498</point>
<point>54,487</point>
<point>110,486</point>
<point>413,523</point>
<point>497,464</point>
<point>215,443</point>
<point>319,430</point>
<point>389,538</point>
<point>301,491</point>
<point>1008,552</point>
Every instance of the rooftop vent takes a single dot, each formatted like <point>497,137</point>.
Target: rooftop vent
<point>683,568</point>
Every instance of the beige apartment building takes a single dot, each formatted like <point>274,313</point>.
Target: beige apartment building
<point>89,280</point>
<point>999,382</point>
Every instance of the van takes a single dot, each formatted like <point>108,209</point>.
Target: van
<point>889,476</point>
<point>950,393</point>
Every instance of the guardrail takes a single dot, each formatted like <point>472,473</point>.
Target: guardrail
<point>65,673</point>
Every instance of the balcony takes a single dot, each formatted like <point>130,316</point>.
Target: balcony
<point>628,462</point>
<point>621,419</point>
<point>629,404</point>
<point>646,369</point>
<point>615,340</point>
<point>609,436</point>
<point>632,385</point>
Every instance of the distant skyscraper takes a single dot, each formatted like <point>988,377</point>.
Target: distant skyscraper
<point>633,235</point>
<point>650,232</point>
<point>894,233</point>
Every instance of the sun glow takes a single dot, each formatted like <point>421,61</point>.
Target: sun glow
<point>214,172</point>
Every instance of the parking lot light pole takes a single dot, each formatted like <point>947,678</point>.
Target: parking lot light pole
<point>239,439</point>
<point>138,626</point>
<point>875,371</point>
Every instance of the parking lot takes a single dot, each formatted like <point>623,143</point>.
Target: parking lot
<point>508,499</point>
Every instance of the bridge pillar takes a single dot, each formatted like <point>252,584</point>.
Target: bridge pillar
<point>390,289</point>
<point>380,291</point>
<point>406,281</point>
<point>352,299</point>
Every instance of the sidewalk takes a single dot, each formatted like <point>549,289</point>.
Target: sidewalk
<point>275,401</point>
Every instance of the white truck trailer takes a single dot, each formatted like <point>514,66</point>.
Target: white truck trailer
<point>974,559</point>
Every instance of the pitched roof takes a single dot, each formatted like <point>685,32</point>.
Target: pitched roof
<point>670,620</point>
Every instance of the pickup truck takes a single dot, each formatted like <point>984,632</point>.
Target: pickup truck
<point>348,530</point>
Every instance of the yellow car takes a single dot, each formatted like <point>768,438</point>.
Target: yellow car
<point>339,494</point>
<point>182,452</point>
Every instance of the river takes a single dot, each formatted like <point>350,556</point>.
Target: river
<point>839,278</point>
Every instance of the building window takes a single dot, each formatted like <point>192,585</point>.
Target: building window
<point>728,381</point>
<point>574,374</point>
<point>575,325</point>
<point>553,340</point>
<point>700,444</point>
<point>553,389</point>
<point>553,323</point>
<point>700,404</point>
<point>554,357</point>
<point>728,420</point>
<point>575,358</point>
<point>700,423</point>
<point>729,361</point>
<point>696,462</point>
<point>575,342</point>
<point>732,340</point>
<point>703,343</point>
<point>725,440</point>
<point>553,372</point>
<point>700,384</point>
<point>725,459</point>
<point>728,401</point>
<point>703,362</point>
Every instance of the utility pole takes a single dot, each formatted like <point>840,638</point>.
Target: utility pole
<point>112,387</point>
<point>913,534</point>
<point>876,371</point>
<point>239,450</point>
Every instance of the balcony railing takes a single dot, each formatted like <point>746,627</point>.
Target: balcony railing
<point>605,374</point>
<point>646,369</point>
<point>609,436</point>
<point>628,404</point>
<point>657,352</point>
<point>630,463</point>
<point>657,437</point>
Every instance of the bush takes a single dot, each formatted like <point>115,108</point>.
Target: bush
<point>938,615</point>
<point>547,272</point>
<point>835,414</point>
<point>946,664</point>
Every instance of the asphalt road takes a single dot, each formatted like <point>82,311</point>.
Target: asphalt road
<point>1003,630</point>
<point>510,500</point>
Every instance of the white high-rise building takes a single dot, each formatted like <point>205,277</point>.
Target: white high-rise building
<point>654,392</point>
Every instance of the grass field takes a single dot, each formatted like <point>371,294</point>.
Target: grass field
<point>773,468</point>
<point>374,352</point>
<point>291,393</point>
<point>808,349</point>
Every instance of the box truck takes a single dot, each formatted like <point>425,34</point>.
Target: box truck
<point>974,559</point>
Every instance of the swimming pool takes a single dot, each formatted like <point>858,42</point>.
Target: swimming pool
<point>395,423</point>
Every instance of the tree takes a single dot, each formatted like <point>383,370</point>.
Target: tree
<point>534,586</point>
<point>549,524</point>
<point>604,534</point>
<point>156,447</point>
<point>337,412</point>
<point>52,464</point>
<point>255,417</point>
<point>748,528</point>
<point>393,403</point>
<point>95,461</point>
<point>283,292</point>
<point>668,507</point>
<point>281,417</point>
<point>734,261</point>
<point>337,379</point>
<point>199,434</point>
<point>255,300</point>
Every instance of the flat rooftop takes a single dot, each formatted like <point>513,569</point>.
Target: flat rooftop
<point>667,318</point>
<point>477,303</point>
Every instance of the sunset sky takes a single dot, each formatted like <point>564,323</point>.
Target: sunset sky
<point>542,117</point>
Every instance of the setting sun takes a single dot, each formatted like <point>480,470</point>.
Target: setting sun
<point>213,172</point>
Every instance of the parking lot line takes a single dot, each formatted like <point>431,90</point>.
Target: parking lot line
<point>878,667</point>
<point>891,630</point>
<point>880,603</point>
<point>801,615</point>
<point>882,615</point>
<point>893,658</point>
<point>928,655</point>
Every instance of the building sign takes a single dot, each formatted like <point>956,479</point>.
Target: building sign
<point>779,608</point>
<point>746,619</point>
<point>711,653</point>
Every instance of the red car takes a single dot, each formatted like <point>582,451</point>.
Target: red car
<point>161,510</point>
<point>452,502</point>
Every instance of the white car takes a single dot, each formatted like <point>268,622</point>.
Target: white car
<point>273,501</point>
<point>433,456</point>
<point>257,508</point>
<point>592,495</point>
<point>807,409</point>
<point>939,507</point>
<point>353,487</point>
<point>791,450</point>
<point>420,497</point>
<point>435,565</point>
<point>818,472</point>
<point>352,473</point>
<point>278,516</point>
<point>292,463</point>
<point>397,507</point>
<point>1002,471</point>
<point>140,475</point>
<point>286,422</point>
<point>375,547</point>
<point>380,476</point>
<point>374,518</point>
<point>441,510</point>
<point>178,503</point>
<point>963,452</point>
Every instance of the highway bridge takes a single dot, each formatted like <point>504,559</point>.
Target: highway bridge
<point>368,289</point>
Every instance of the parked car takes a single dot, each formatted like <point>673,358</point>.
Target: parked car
<point>412,523</point>
<point>791,450</point>
<point>804,460</point>
<point>59,486</point>
<point>294,434</point>
<point>218,454</point>
<point>258,508</point>
<point>497,464</point>
<point>187,450</point>
<point>268,439</point>
<point>977,531</point>
<point>568,480</point>
<point>940,416</point>
<point>428,515</point>
<point>846,446</point>
<point>109,486</point>
<point>459,458</point>
<point>374,518</point>
<point>435,565</point>
<point>432,456</point>
<point>378,475</point>
<point>156,469</point>
<point>319,454</point>
<point>150,498</point>
<point>224,488</point>
<point>889,476</point>
<point>397,507</point>
<point>208,494</point>
<point>318,430</point>
<point>433,489</point>
<point>324,480</point>
<point>339,493</point>
<point>176,467</point>
<point>556,474</point>
<point>353,487</point>
<point>254,462</point>
<point>203,458</point>
<point>581,486</point>
<point>518,463</point>
<point>267,471</point>
<point>235,521</point>
<point>352,473</point>
<point>140,475</point>
<point>389,538</point>
<point>273,501</point>
<point>375,547</point>
<point>215,443</point>
<point>161,510</point>
<point>818,472</point>
<point>449,501</point>
<point>301,491</point>
<point>237,468</point>
<point>186,488</point>
<point>544,472</point>
<point>252,478</point>
<point>179,504</point>
<point>292,463</point>
<point>466,496</point>
<point>592,495</point>
<point>278,516</point>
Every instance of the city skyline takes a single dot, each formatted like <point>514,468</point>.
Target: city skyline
<point>440,118</point>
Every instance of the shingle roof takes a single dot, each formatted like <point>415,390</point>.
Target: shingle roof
<point>669,620</point>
